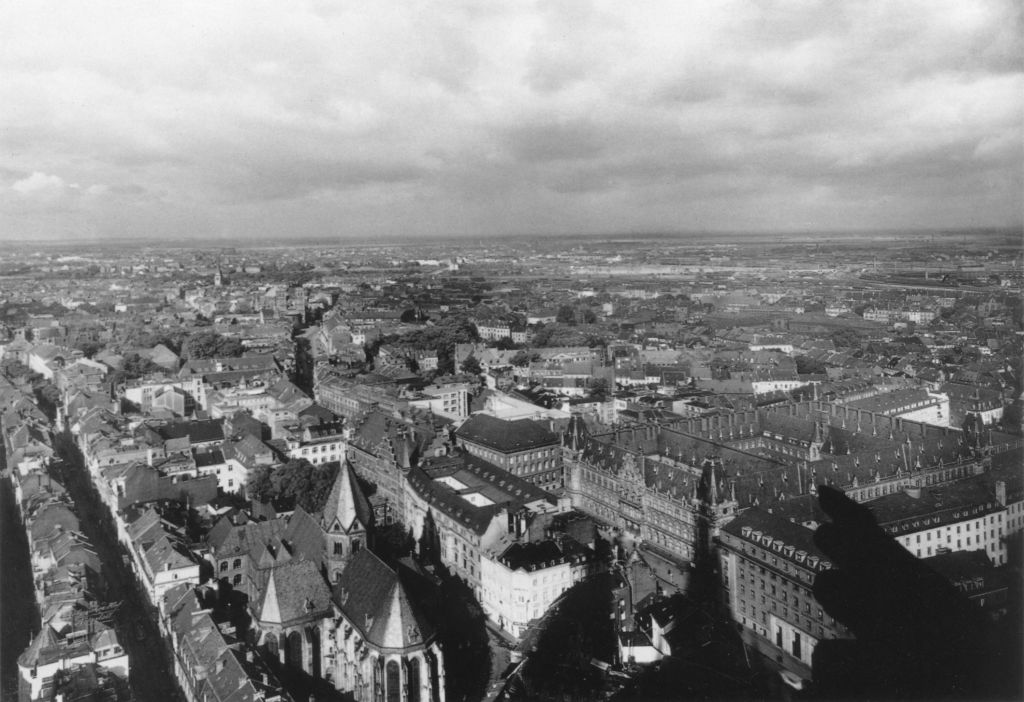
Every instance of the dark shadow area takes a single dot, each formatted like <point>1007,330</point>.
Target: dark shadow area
<point>917,636</point>
<point>19,619</point>
<point>576,631</point>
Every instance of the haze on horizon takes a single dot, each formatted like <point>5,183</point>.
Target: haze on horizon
<point>314,119</point>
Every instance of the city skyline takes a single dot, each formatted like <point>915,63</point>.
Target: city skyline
<point>265,122</point>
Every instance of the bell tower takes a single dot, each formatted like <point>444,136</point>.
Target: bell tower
<point>347,522</point>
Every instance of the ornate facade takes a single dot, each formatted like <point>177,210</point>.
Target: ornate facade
<point>378,645</point>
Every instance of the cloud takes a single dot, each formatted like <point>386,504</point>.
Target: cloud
<point>481,118</point>
<point>39,184</point>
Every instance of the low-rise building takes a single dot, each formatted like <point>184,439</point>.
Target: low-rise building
<point>210,662</point>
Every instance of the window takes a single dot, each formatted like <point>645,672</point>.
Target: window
<point>237,564</point>
<point>223,566</point>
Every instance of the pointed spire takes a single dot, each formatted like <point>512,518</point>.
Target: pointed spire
<point>346,506</point>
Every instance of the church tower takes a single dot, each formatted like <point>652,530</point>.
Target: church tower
<point>347,522</point>
<point>218,277</point>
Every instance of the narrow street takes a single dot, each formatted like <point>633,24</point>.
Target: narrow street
<point>151,677</point>
<point>19,618</point>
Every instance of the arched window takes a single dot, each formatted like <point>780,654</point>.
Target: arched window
<point>393,682</point>
<point>413,678</point>
<point>293,650</point>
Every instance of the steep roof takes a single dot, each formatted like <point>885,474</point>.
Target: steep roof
<point>228,539</point>
<point>373,598</point>
<point>346,506</point>
<point>295,590</point>
<point>304,535</point>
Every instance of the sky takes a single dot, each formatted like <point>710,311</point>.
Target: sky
<point>275,120</point>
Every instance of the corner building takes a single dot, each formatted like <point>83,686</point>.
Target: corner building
<point>768,567</point>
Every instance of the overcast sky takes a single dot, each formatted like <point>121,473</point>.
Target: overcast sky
<point>289,118</point>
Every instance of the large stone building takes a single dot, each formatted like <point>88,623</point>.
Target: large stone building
<point>524,447</point>
<point>378,645</point>
<point>768,565</point>
<point>284,568</point>
<point>650,481</point>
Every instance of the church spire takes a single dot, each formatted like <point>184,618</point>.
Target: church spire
<point>347,508</point>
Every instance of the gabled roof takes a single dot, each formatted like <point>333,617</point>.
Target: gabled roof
<point>294,591</point>
<point>304,535</point>
<point>227,539</point>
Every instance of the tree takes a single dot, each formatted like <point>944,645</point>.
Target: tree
<point>209,344</point>
<point>598,386</point>
<point>393,541</point>
<point>297,480</point>
<point>845,338</point>
<point>89,348</point>
<point>135,366</point>
<point>471,365</point>
<point>442,337</point>
<point>566,314</point>
<point>806,365</point>
<point>524,357</point>
<point>430,541</point>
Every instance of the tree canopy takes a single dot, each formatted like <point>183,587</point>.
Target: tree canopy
<point>471,365</point>
<point>296,481</point>
<point>209,344</point>
<point>442,337</point>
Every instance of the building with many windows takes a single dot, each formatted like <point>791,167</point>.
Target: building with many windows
<point>768,567</point>
<point>523,447</point>
<point>520,581</point>
<point>981,512</point>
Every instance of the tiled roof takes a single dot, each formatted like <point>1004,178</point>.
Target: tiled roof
<point>373,598</point>
<point>346,504</point>
<point>304,535</point>
<point>782,537</point>
<point>227,539</point>
<point>295,591</point>
<point>198,431</point>
<point>505,436</point>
